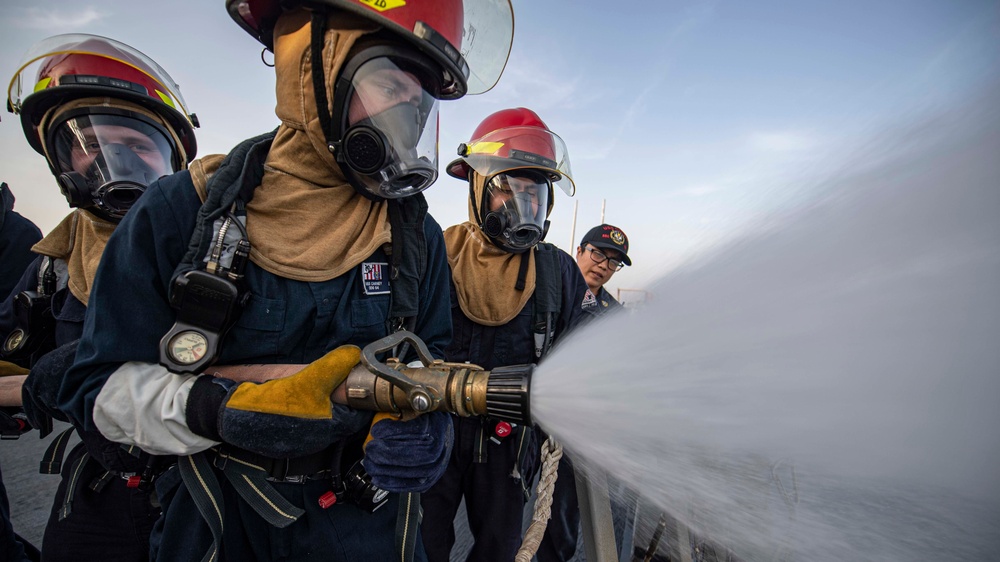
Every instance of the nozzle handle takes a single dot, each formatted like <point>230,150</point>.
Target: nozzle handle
<point>422,398</point>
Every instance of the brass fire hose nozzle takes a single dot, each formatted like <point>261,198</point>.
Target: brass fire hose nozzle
<point>460,388</point>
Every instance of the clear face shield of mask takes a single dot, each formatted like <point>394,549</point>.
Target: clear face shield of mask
<point>516,204</point>
<point>104,162</point>
<point>390,145</point>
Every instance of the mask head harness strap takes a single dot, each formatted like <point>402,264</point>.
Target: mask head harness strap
<point>319,77</point>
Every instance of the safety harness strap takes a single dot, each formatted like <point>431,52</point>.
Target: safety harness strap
<point>251,484</point>
<point>522,449</point>
<point>409,254</point>
<point>407,522</point>
<point>479,453</point>
<point>98,484</point>
<point>53,457</point>
<point>199,479</point>
<point>47,278</point>
<point>548,293</point>
<point>74,480</point>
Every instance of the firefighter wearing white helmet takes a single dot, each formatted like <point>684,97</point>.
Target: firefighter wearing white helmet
<point>286,252</point>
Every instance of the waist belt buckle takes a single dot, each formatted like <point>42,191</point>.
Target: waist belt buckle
<point>279,471</point>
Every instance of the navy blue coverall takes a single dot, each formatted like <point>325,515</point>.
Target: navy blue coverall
<point>285,321</point>
<point>17,236</point>
<point>482,470</point>
<point>114,522</point>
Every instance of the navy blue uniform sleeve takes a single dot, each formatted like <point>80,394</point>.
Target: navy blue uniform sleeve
<point>17,236</point>
<point>434,319</point>
<point>129,310</point>
<point>574,288</point>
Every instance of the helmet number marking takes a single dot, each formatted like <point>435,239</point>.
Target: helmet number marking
<point>383,5</point>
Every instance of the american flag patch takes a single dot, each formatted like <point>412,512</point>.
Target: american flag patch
<point>374,278</point>
<point>373,271</point>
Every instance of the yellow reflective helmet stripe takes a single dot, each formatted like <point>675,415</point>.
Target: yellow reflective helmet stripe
<point>485,147</point>
<point>165,98</point>
<point>43,83</point>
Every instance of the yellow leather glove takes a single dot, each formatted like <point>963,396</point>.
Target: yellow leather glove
<point>8,369</point>
<point>280,418</point>
<point>306,394</point>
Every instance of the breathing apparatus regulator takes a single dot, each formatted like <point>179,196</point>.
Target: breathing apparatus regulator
<point>107,118</point>
<point>511,164</point>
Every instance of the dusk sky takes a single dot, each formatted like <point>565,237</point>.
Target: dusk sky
<point>686,118</point>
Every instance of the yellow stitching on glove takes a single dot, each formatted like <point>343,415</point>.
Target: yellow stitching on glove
<point>306,394</point>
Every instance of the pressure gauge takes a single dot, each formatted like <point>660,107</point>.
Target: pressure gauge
<point>14,341</point>
<point>188,347</point>
<point>207,306</point>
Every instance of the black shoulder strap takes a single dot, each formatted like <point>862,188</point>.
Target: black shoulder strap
<point>6,201</point>
<point>48,278</point>
<point>548,280</point>
<point>239,174</point>
<point>408,256</point>
<point>547,298</point>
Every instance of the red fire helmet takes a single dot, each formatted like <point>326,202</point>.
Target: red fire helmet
<point>514,139</point>
<point>63,68</point>
<point>470,39</point>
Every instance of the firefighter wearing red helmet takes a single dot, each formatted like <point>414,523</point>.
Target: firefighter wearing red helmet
<point>107,118</point>
<point>423,51</point>
<point>513,297</point>
<point>109,121</point>
<point>297,248</point>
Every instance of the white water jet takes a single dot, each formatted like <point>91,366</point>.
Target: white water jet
<point>826,386</point>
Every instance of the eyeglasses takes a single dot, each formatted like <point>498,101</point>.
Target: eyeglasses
<point>600,257</point>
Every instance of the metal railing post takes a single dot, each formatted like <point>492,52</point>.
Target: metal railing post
<point>595,516</point>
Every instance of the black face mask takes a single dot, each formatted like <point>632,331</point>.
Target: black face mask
<point>379,151</point>
<point>507,231</point>
<point>111,184</point>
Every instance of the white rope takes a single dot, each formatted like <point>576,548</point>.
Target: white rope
<point>551,453</point>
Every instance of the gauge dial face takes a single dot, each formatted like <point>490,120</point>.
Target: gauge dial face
<point>13,340</point>
<point>188,347</point>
